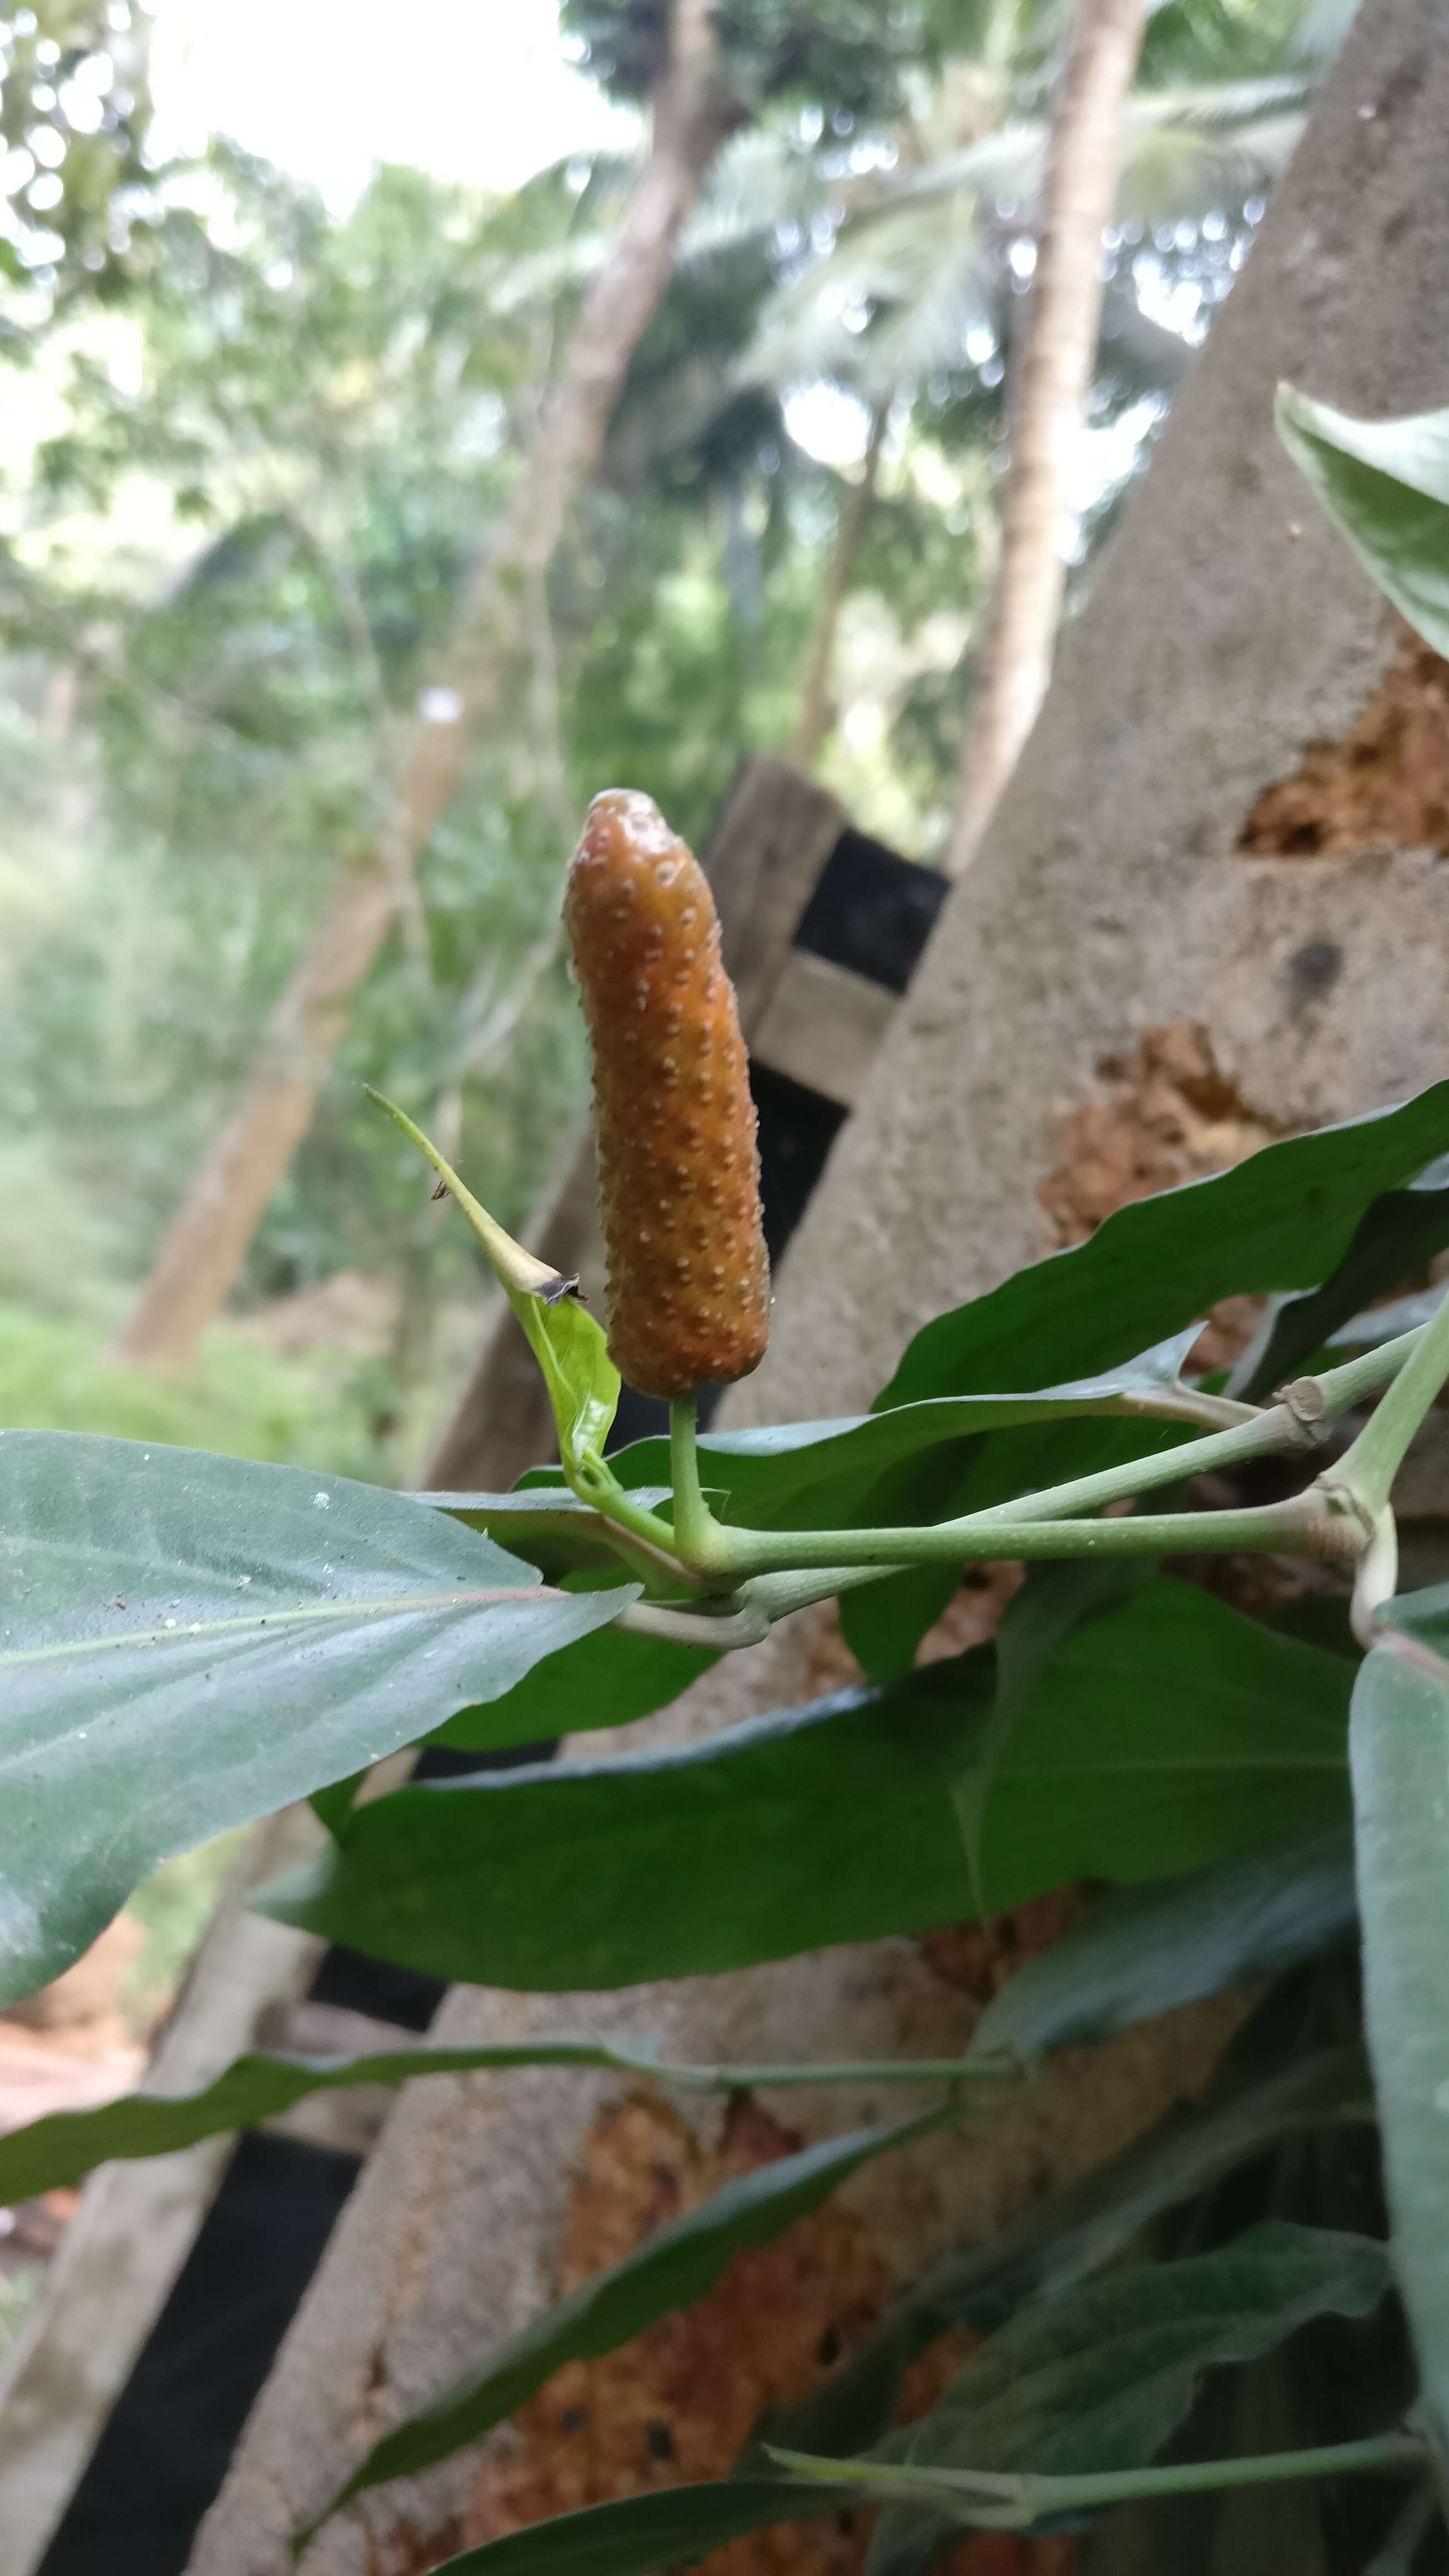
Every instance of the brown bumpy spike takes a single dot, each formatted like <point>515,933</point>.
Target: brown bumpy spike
<point>679,1169</point>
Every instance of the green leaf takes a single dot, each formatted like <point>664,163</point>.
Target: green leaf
<point>1070,2237</point>
<point>191,1641</point>
<point>607,1678</point>
<point>635,2535</point>
<point>1396,1237</point>
<point>884,1622</point>
<point>674,2269</point>
<point>1145,1950</point>
<point>66,2145</point>
<point>1100,2376</point>
<point>1385,485</point>
<point>1399,1741</point>
<point>1283,1218</point>
<point>1053,1601</point>
<point>331,1804</point>
<point>569,1346</point>
<point>1163,1735</point>
<point>1385,1323</point>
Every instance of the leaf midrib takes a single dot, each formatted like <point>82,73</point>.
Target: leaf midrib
<point>399,1604</point>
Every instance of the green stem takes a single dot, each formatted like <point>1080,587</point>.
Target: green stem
<point>1346,1386</point>
<point>737,1622</point>
<point>1368,1468</point>
<point>744,1617</point>
<point>1377,1579</point>
<point>996,2498</point>
<point>1035,1525</point>
<point>1307,1525</point>
<point>698,1538</point>
<point>872,2070</point>
<point>1394,2453</point>
<point>1298,1419</point>
<point>1263,1437</point>
<point>610,1501</point>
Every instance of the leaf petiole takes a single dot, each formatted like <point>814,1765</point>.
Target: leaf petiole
<point>1011,2502</point>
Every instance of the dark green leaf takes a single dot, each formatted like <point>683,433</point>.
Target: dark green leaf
<point>674,2269</point>
<point>1052,1601</point>
<point>1100,2376</point>
<point>1396,1237</point>
<point>1164,1734</point>
<point>1143,1950</point>
<point>331,1804</point>
<point>66,2144</point>
<point>607,1678</point>
<point>1283,1218</point>
<point>635,2535</point>
<point>1385,485</point>
<point>883,1623</point>
<point>1399,1740</point>
<point>1384,1323</point>
<point>191,1641</point>
<point>1070,2237</point>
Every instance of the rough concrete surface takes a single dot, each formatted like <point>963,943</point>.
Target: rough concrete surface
<point>1227,633</point>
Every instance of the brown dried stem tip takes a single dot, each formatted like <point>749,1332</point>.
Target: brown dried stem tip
<point>679,1168</point>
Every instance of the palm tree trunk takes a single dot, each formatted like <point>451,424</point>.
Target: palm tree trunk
<point>816,712</point>
<point>208,1238</point>
<point>1062,322</point>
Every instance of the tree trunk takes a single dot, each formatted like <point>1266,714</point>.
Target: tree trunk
<point>1062,322</point>
<point>208,1238</point>
<point>816,714</point>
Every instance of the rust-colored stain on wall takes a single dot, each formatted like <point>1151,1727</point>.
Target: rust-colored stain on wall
<point>1163,1113</point>
<point>1387,781</point>
<point>679,2402</point>
<point>980,1957</point>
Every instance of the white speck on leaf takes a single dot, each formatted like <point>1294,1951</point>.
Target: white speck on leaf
<point>320,1502</point>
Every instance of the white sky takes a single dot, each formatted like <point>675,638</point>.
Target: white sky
<point>470,89</point>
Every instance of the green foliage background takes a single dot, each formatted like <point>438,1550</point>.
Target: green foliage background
<point>260,445</point>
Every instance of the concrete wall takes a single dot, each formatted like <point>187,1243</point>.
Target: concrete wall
<point>1227,633</point>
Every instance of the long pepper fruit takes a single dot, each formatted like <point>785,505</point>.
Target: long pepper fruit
<point>674,1122</point>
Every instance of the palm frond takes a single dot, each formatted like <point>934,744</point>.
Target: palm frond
<point>1218,107</point>
<point>1006,164</point>
<point>1177,172</point>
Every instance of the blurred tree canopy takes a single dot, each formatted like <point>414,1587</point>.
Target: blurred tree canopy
<point>270,442</point>
<point>76,212</point>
